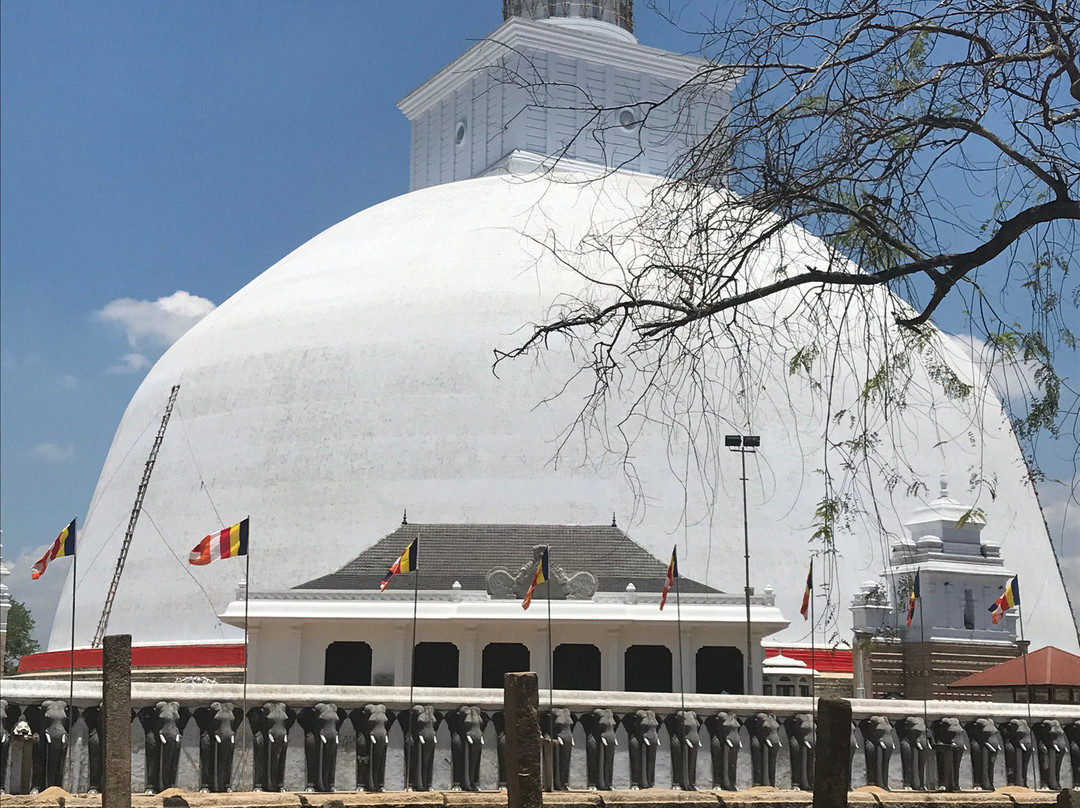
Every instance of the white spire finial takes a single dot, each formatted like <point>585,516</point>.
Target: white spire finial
<point>944,486</point>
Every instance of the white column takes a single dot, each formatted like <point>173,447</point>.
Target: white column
<point>253,644</point>
<point>402,657</point>
<point>612,674</point>
<point>295,644</point>
<point>468,659</point>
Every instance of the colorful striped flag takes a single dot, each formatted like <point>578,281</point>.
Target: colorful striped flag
<point>804,610</point>
<point>61,548</point>
<point>232,541</point>
<point>672,576</point>
<point>914,597</point>
<point>1009,598</point>
<point>539,578</point>
<point>407,562</point>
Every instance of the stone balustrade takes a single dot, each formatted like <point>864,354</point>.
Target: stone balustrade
<point>216,737</point>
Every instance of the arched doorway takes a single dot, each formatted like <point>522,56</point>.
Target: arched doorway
<point>347,663</point>
<point>719,669</point>
<point>501,658</point>
<point>648,669</point>
<point>577,667</point>
<point>436,664</point>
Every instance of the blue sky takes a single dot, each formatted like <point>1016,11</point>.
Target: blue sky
<point>157,156</point>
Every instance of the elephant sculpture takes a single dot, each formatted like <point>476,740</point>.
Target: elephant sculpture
<point>217,743</point>
<point>163,728</point>
<point>1016,740</point>
<point>764,731</point>
<point>949,743</point>
<point>1050,745</point>
<point>801,742</point>
<point>557,726</point>
<point>92,718</point>
<point>878,746</point>
<point>684,738</point>
<point>915,751</point>
<point>498,720</point>
<point>423,723</point>
<point>1072,734</point>
<point>467,725</point>
<point>984,740</point>
<point>270,724</point>
<point>9,714</point>
<point>600,742</point>
<point>855,747</point>
<point>642,738</point>
<point>372,725</point>
<point>52,723</point>
<point>320,724</point>
<point>724,744</point>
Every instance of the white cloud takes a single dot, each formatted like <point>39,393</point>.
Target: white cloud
<point>67,382</point>
<point>41,596</point>
<point>158,322</point>
<point>54,452</point>
<point>1012,380</point>
<point>129,363</point>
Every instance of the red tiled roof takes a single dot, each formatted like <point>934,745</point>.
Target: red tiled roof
<point>1047,666</point>
<point>826,660</point>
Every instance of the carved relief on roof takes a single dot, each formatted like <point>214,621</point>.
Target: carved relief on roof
<point>503,583</point>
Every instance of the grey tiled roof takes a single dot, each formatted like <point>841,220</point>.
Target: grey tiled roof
<point>466,553</point>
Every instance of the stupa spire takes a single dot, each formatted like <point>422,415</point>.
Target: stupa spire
<point>616,12</point>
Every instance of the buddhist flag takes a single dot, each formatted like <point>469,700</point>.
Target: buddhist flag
<point>62,547</point>
<point>1009,598</point>
<point>539,578</point>
<point>232,541</point>
<point>672,576</point>
<point>407,562</point>
<point>804,610</point>
<point>912,598</point>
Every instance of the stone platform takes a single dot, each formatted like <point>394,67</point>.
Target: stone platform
<point>1006,797</point>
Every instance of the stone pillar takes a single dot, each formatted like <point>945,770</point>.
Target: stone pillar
<point>521,702</point>
<point>116,722</point>
<point>611,660</point>
<point>833,753</point>
<point>469,658</point>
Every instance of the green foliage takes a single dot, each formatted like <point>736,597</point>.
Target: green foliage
<point>20,636</point>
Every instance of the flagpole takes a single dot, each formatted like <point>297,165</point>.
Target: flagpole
<point>922,641</point>
<point>243,723</point>
<point>813,647</point>
<point>1023,651</point>
<point>412,664</point>
<point>678,618</point>
<point>71,672</point>
<point>551,672</point>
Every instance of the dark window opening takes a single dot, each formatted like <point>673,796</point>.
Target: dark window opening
<point>719,669</point>
<point>501,658</point>
<point>648,669</point>
<point>347,663</point>
<point>969,609</point>
<point>436,664</point>
<point>577,667</point>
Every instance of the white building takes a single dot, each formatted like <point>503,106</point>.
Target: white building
<point>354,377</point>
<point>606,629</point>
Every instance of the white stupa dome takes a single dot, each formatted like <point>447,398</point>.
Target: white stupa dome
<point>353,380</point>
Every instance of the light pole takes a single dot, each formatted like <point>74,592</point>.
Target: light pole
<point>743,444</point>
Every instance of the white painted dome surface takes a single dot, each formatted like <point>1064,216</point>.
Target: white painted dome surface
<point>353,379</point>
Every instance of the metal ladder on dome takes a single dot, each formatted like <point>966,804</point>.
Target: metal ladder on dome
<point>136,509</point>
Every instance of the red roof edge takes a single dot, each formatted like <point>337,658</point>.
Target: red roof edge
<point>142,656</point>
<point>1048,666</point>
<point>825,660</point>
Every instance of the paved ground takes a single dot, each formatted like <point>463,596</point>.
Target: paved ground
<point>652,798</point>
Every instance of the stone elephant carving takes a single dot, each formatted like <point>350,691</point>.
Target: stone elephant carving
<point>724,744</point>
<point>801,743</point>
<point>420,736</point>
<point>855,747</point>
<point>498,720</point>
<point>217,743</point>
<point>163,728</point>
<point>270,724</point>
<point>984,740</point>
<point>643,737</point>
<point>764,733</point>
<point>600,742</point>
<point>467,725</point>
<point>1072,734</point>
<point>1017,743</point>
<point>52,723</point>
<point>915,751</point>
<point>557,726</point>
<point>372,725</point>
<point>949,745</point>
<point>684,738</point>
<point>92,718</point>
<point>878,746</point>
<point>9,715</point>
<point>320,724</point>
<point>1051,746</point>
